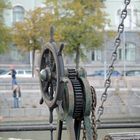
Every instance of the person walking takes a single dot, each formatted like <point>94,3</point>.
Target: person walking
<point>13,75</point>
<point>16,89</point>
<point>16,95</point>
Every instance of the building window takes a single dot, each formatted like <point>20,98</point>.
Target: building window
<point>96,55</point>
<point>128,53</point>
<point>18,14</point>
<point>120,54</point>
<point>136,18</point>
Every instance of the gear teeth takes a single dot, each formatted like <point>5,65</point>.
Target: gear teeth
<point>78,94</point>
<point>72,73</point>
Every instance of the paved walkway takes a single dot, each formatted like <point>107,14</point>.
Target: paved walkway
<point>122,103</point>
<point>30,109</point>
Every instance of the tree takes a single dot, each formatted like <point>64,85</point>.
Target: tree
<point>81,23</point>
<point>78,23</point>
<point>27,34</point>
<point>5,36</point>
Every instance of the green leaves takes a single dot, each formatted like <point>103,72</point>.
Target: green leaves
<point>5,36</point>
<point>81,24</point>
<point>77,23</point>
<point>36,25</point>
<point>85,25</point>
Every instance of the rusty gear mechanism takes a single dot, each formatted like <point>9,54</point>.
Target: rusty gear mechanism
<point>67,91</point>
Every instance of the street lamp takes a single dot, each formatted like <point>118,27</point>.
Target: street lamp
<point>31,61</point>
<point>124,53</point>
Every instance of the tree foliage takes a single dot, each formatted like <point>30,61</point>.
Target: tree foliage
<point>5,36</point>
<point>78,23</point>
<point>28,33</point>
<point>81,24</point>
<point>37,23</point>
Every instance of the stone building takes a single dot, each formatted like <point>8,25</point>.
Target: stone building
<point>128,53</point>
<point>15,14</point>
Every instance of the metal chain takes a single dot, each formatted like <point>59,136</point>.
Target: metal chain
<point>84,131</point>
<point>114,57</point>
<point>93,117</point>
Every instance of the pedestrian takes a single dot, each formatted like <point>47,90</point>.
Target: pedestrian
<point>16,89</point>
<point>16,96</point>
<point>13,75</point>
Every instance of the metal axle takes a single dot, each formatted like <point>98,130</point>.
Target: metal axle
<point>47,127</point>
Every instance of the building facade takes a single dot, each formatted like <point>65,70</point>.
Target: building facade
<point>128,53</point>
<point>17,13</point>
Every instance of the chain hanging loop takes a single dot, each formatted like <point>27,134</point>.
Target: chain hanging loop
<point>117,43</point>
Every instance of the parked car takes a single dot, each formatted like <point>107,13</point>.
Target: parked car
<point>101,73</point>
<point>131,73</point>
<point>3,70</point>
<point>116,73</point>
<point>20,73</point>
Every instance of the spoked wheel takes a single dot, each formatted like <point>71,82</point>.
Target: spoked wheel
<point>51,72</point>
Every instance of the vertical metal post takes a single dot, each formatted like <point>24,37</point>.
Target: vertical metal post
<point>51,123</point>
<point>52,34</point>
<point>59,130</point>
<point>70,128</point>
<point>89,132</point>
<point>105,55</point>
<point>51,131</point>
<point>124,53</point>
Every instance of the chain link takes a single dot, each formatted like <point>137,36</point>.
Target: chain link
<point>84,131</point>
<point>93,117</point>
<point>114,57</point>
